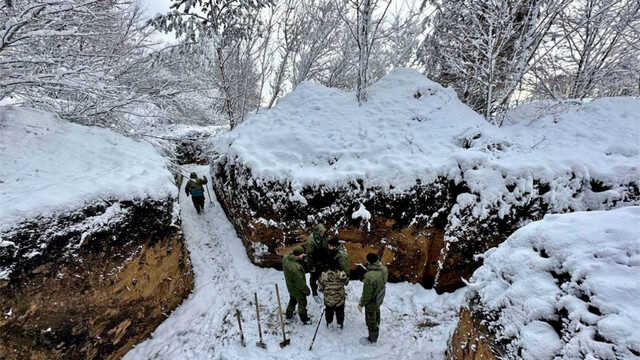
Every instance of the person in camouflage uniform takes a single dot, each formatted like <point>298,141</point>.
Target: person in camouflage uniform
<point>195,188</point>
<point>373,292</point>
<point>296,284</point>
<point>317,251</point>
<point>331,284</point>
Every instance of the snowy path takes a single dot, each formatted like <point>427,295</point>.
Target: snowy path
<point>416,323</point>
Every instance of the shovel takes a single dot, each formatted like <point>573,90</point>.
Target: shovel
<point>285,341</point>
<point>206,186</point>
<point>259,343</point>
<point>240,326</point>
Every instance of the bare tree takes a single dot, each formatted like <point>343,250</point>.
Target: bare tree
<point>364,30</point>
<point>319,27</point>
<point>484,49</point>
<point>598,54</point>
<point>288,37</point>
<point>266,57</point>
<point>73,57</point>
<point>231,25</point>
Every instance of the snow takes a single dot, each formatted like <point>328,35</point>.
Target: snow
<point>183,131</point>
<point>319,135</point>
<point>416,322</point>
<point>412,128</point>
<point>114,214</point>
<point>4,243</point>
<point>361,213</point>
<point>49,165</point>
<point>584,264</point>
<point>5,272</point>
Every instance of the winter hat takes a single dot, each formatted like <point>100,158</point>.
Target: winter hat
<point>372,258</point>
<point>193,175</point>
<point>297,251</point>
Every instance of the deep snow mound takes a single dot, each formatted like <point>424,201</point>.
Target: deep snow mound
<point>318,135</point>
<point>440,183</point>
<point>565,287</point>
<point>48,164</point>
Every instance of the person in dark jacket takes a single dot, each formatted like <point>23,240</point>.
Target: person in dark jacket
<point>317,249</point>
<point>373,292</point>
<point>195,188</point>
<point>296,284</point>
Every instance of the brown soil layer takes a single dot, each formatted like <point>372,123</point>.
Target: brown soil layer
<point>409,244</point>
<point>422,233</point>
<point>97,300</point>
<point>471,340</point>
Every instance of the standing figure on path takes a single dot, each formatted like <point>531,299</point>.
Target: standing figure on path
<point>373,292</point>
<point>332,283</point>
<point>296,284</point>
<point>195,188</point>
<point>317,250</point>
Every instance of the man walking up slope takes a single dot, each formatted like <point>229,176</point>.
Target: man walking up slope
<point>195,188</point>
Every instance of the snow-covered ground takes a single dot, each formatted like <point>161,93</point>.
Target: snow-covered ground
<point>566,287</point>
<point>412,128</point>
<point>189,131</point>
<point>49,165</point>
<point>416,323</point>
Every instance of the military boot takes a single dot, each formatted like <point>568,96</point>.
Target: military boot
<point>373,336</point>
<point>305,319</point>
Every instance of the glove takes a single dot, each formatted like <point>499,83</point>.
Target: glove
<point>360,308</point>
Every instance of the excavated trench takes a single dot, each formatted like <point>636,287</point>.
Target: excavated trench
<point>425,234</point>
<point>91,283</point>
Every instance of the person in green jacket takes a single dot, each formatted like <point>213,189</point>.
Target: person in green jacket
<point>317,251</point>
<point>338,253</point>
<point>296,284</point>
<point>195,188</point>
<point>373,292</point>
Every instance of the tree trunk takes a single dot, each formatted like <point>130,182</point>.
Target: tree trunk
<point>364,22</point>
<point>225,87</point>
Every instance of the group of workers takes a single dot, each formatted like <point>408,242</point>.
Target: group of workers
<point>327,261</point>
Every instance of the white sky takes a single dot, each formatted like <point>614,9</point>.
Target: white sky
<point>153,7</point>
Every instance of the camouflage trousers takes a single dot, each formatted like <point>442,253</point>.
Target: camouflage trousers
<point>372,318</point>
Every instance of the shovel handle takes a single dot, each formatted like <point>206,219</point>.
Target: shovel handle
<point>284,336</point>
<point>258,316</point>
<point>240,326</point>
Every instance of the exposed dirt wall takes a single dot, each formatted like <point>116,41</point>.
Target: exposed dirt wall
<point>471,340</point>
<point>86,289</point>
<point>431,233</point>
